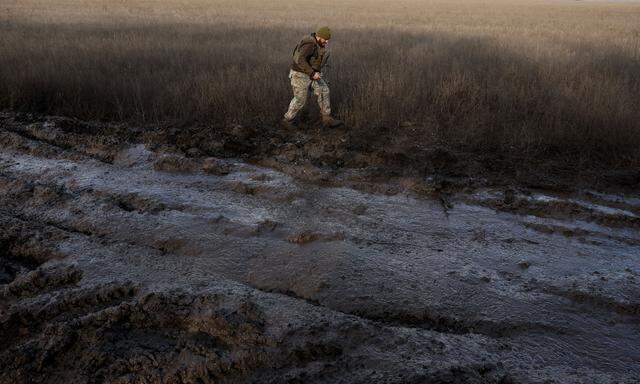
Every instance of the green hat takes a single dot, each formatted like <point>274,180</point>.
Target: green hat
<point>324,32</point>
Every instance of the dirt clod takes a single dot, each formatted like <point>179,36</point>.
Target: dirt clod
<point>214,166</point>
<point>174,163</point>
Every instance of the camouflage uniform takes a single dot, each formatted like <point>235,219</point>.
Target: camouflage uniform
<point>308,57</point>
<point>301,85</point>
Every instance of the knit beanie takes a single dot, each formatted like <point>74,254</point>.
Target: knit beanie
<point>324,32</point>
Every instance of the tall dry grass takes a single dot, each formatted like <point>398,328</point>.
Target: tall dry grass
<point>516,77</point>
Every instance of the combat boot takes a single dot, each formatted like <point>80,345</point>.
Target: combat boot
<point>330,121</point>
<point>288,124</point>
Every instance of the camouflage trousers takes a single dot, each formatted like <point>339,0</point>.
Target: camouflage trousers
<point>301,85</point>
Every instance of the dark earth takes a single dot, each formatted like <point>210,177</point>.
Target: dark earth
<point>260,255</point>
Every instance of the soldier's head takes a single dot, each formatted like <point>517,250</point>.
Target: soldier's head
<point>323,34</point>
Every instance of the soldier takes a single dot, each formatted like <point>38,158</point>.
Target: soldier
<point>309,58</point>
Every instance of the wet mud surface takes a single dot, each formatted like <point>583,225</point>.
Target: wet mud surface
<point>137,256</point>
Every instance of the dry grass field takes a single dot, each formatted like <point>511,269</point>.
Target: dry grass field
<point>543,79</point>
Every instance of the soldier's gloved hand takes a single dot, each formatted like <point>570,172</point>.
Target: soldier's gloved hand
<point>316,76</point>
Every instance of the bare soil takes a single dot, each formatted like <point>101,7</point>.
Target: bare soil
<point>253,254</point>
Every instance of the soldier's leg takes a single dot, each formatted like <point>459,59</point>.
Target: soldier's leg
<point>321,90</point>
<point>300,85</point>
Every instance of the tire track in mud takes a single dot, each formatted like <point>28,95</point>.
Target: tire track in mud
<point>71,331</point>
<point>56,322</point>
<point>553,207</point>
<point>581,234</point>
<point>173,339</point>
<point>45,322</point>
<point>430,320</point>
<point>227,331</point>
<point>427,320</point>
<point>595,300</point>
<point>69,135</point>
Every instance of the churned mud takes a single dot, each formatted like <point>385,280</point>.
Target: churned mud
<point>174,256</point>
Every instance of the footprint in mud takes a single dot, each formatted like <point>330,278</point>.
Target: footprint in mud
<point>132,202</point>
<point>359,209</point>
<point>245,188</point>
<point>170,245</point>
<point>306,237</point>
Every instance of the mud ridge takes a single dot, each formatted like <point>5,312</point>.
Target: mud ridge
<point>430,321</point>
<point>580,234</point>
<point>449,324</point>
<point>192,338</point>
<point>23,246</point>
<point>560,210</point>
<point>41,280</point>
<point>599,301</point>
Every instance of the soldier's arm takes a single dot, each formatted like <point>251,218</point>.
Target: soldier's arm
<point>325,66</point>
<point>305,51</point>
<point>325,61</point>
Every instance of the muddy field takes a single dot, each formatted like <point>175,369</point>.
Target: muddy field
<point>256,255</point>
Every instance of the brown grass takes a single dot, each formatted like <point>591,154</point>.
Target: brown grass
<point>539,78</point>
